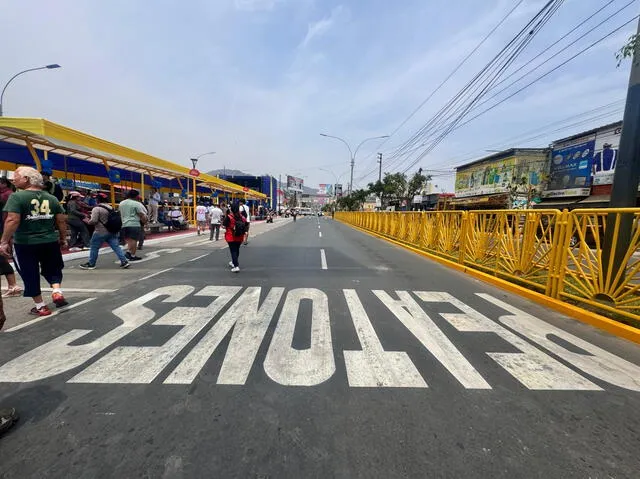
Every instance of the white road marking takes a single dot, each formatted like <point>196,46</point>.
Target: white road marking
<point>323,259</point>
<point>373,366</point>
<point>320,234</point>
<point>153,255</point>
<point>533,361</point>
<point>308,367</point>
<point>42,318</point>
<point>599,363</point>
<point>81,290</point>
<point>533,368</point>
<point>141,364</point>
<point>409,312</point>
<point>199,257</point>
<point>249,325</point>
<point>57,356</point>
<point>154,274</point>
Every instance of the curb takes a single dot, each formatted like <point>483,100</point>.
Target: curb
<point>601,322</point>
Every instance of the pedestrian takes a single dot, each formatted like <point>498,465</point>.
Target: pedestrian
<point>32,218</point>
<point>235,225</point>
<point>105,232</point>
<point>6,189</point>
<point>215,218</point>
<point>76,219</point>
<point>141,237</point>
<point>8,416</point>
<point>134,216</point>
<point>246,212</point>
<point>51,185</point>
<point>201,218</point>
<point>154,202</point>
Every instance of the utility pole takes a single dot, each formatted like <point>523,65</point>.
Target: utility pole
<point>624,191</point>
<point>278,190</point>
<point>353,162</point>
<point>380,168</point>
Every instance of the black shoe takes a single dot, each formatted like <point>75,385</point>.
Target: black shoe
<point>87,266</point>
<point>127,255</point>
<point>139,247</point>
<point>8,417</point>
<point>125,264</point>
<point>134,258</point>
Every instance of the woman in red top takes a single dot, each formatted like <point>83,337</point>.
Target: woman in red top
<point>232,236</point>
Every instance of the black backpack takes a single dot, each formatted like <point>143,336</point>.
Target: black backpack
<point>240,228</point>
<point>114,221</point>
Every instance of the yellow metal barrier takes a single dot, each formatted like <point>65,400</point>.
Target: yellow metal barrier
<point>557,253</point>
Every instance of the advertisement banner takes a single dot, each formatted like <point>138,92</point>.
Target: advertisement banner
<point>294,184</point>
<point>606,155</point>
<point>325,190</point>
<point>338,190</point>
<point>571,169</point>
<point>485,178</point>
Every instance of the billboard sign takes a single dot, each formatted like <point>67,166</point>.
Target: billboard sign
<point>485,178</point>
<point>325,190</point>
<point>571,169</point>
<point>338,190</point>
<point>294,184</point>
<point>606,155</point>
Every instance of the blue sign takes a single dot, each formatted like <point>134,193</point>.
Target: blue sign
<point>46,166</point>
<point>114,176</point>
<point>69,184</point>
<point>571,170</point>
<point>157,184</point>
<point>183,193</point>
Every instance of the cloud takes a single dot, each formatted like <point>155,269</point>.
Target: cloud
<point>319,28</point>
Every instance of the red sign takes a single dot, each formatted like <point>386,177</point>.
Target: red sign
<point>194,172</point>
<point>245,189</point>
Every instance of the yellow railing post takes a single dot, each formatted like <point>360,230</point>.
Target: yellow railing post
<point>464,236</point>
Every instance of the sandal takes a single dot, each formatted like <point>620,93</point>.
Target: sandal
<point>11,292</point>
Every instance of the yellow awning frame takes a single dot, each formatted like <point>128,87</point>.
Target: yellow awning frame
<point>44,135</point>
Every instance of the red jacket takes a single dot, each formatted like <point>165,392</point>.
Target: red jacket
<point>230,223</point>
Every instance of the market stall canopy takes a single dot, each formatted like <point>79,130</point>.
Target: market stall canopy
<point>63,142</point>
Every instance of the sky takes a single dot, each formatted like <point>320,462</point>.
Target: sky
<point>257,81</point>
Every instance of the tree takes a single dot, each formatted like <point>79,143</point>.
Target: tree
<point>354,201</point>
<point>416,184</point>
<point>627,50</point>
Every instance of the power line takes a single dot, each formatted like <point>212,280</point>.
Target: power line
<point>487,76</point>
<point>428,150</point>
<point>545,14</point>
<point>455,70</point>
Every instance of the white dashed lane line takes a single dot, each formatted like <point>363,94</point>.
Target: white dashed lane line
<point>323,259</point>
<point>56,312</point>
<point>155,274</point>
<point>199,257</point>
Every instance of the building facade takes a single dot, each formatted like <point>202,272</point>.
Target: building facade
<point>512,178</point>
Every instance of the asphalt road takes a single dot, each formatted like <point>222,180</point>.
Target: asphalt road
<point>331,354</point>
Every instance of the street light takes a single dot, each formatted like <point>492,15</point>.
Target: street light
<point>46,67</point>
<point>353,153</point>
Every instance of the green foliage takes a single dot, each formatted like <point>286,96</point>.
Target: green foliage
<point>627,51</point>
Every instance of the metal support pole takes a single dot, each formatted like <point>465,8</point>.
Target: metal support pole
<point>353,162</point>
<point>624,191</point>
<point>380,168</point>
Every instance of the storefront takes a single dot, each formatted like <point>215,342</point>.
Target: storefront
<point>508,179</point>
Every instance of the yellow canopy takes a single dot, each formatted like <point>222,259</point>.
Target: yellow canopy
<point>41,134</point>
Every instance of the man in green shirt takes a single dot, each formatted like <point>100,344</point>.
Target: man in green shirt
<point>133,215</point>
<point>32,218</point>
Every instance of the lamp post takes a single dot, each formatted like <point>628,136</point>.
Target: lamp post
<point>46,67</point>
<point>353,153</point>
<point>195,173</point>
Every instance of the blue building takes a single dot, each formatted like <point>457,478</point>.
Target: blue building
<point>267,185</point>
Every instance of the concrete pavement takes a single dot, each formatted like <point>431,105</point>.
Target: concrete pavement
<point>331,354</point>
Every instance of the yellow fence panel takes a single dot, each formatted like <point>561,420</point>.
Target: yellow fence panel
<point>556,253</point>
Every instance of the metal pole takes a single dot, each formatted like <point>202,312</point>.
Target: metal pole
<point>624,191</point>
<point>47,67</point>
<point>353,162</point>
<point>380,169</point>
